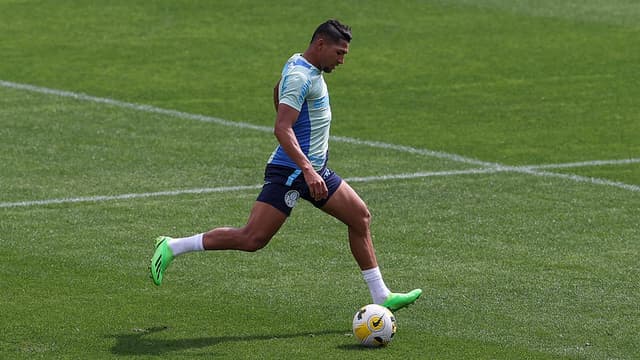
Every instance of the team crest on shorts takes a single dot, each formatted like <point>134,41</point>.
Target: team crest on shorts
<point>291,198</point>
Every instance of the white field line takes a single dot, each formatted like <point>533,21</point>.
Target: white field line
<point>577,178</point>
<point>133,106</point>
<point>364,179</point>
<point>536,171</point>
<point>101,198</point>
<point>585,164</point>
<point>412,150</point>
<point>241,125</point>
<point>488,167</point>
<point>230,188</point>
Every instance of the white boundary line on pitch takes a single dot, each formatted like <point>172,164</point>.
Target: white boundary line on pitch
<point>232,188</point>
<point>585,164</point>
<point>241,125</point>
<point>364,179</point>
<point>489,167</point>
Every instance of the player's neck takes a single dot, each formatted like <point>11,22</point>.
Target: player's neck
<point>311,58</point>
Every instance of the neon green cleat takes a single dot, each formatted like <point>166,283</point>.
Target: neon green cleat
<point>161,259</point>
<point>396,301</point>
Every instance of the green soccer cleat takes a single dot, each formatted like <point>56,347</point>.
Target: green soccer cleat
<point>396,301</point>
<point>161,259</point>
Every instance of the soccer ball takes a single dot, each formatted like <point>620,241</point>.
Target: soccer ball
<point>374,325</point>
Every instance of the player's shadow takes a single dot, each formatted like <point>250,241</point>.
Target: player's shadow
<point>136,342</point>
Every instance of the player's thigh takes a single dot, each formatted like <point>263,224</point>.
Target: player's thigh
<point>264,220</point>
<point>347,206</point>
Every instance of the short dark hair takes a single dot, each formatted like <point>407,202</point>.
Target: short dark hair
<point>334,30</point>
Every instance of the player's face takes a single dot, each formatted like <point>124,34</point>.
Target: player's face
<point>333,54</point>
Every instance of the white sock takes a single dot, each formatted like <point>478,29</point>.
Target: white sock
<point>188,244</point>
<point>377,288</point>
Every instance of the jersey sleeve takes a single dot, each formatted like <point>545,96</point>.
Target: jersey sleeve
<point>294,89</point>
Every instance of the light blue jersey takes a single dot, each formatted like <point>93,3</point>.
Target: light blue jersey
<point>303,88</point>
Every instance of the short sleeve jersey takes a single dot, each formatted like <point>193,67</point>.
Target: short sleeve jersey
<point>303,88</point>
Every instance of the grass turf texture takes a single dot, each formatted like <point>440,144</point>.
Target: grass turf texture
<point>513,265</point>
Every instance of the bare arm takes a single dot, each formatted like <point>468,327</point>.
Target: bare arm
<point>275,95</point>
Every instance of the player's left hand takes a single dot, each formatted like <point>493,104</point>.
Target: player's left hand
<point>317,187</point>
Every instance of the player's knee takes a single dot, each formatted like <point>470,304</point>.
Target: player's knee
<point>363,221</point>
<point>366,218</point>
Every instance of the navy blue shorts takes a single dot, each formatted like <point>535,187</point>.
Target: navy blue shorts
<point>283,186</point>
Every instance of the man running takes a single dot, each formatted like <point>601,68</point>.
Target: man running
<point>298,169</point>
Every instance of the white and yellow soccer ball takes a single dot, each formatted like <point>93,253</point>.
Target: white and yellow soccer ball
<point>374,325</point>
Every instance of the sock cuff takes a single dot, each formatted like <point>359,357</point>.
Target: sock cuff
<point>199,241</point>
<point>372,274</point>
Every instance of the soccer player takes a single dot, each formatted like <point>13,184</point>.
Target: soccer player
<point>298,169</point>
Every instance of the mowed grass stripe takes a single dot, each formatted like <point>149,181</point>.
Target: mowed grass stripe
<point>242,125</point>
<point>183,115</point>
<point>514,266</point>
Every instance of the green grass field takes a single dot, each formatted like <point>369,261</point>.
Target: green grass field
<point>496,142</point>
